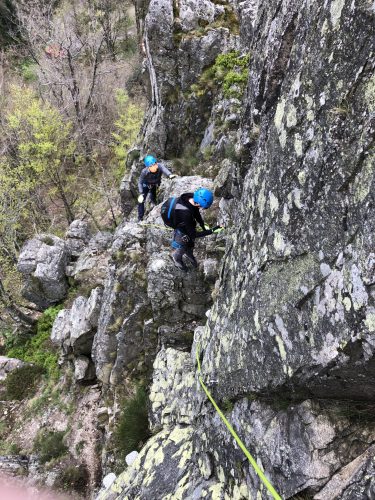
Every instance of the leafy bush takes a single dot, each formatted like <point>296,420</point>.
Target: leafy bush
<point>49,445</point>
<point>28,71</point>
<point>21,383</point>
<point>230,73</point>
<point>127,127</point>
<point>39,349</point>
<point>132,429</point>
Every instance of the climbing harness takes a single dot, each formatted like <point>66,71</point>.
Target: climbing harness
<point>257,469</point>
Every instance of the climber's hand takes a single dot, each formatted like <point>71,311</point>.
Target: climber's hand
<point>172,176</point>
<point>217,229</point>
<point>141,198</point>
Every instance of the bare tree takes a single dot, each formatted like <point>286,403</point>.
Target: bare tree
<point>70,51</point>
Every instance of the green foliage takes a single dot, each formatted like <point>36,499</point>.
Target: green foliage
<point>73,478</point>
<point>51,396</point>
<point>37,162</point>
<point>22,382</point>
<point>228,405</point>
<point>7,448</point>
<point>128,46</point>
<point>28,71</point>
<point>39,349</point>
<point>127,127</point>
<point>230,73</point>
<point>132,429</point>
<point>49,445</point>
<point>79,447</point>
<point>230,152</point>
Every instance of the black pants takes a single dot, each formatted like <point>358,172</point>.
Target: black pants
<point>147,188</point>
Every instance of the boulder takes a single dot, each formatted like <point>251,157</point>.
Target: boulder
<point>43,262</point>
<point>77,237</point>
<point>92,263</point>
<point>73,329</point>
<point>84,369</point>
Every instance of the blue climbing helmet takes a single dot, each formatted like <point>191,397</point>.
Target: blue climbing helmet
<point>204,197</point>
<point>149,160</point>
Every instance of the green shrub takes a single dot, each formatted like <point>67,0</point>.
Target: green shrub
<point>39,349</point>
<point>230,73</point>
<point>49,445</point>
<point>28,71</point>
<point>132,429</point>
<point>22,382</point>
<point>127,126</point>
<point>9,448</point>
<point>73,478</point>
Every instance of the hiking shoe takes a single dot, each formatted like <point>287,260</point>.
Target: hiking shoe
<point>178,263</point>
<point>192,260</point>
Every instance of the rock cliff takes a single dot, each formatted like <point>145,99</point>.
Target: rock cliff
<point>288,349</point>
<point>276,101</point>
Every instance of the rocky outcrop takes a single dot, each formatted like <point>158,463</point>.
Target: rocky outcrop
<point>182,39</point>
<point>288,350</point>
<point>304,249</point>
<point>43,262</point>
<point>146,299</point>
<point>74,329</point>
<point>92,264</point>
<point>77,237</point>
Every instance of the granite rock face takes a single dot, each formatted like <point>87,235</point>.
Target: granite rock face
<point>304,245</point>
<point>73,328</point>
<point>288,349</point>
<point>181,40</point>
<point>147,301</point>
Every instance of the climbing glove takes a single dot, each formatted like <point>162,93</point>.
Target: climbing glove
<point>172,176</point>
<point>217,229</point>
<point>141,198</point>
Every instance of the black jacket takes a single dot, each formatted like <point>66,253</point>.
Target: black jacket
<point>186,217</point>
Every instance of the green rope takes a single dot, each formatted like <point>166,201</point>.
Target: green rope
<point>159,226</point>
<point>257,469</point>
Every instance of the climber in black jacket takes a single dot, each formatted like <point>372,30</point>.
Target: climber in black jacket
<point>185,216</point>
<point>149,181</point>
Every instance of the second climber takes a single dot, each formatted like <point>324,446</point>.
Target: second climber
<point>149,181</point>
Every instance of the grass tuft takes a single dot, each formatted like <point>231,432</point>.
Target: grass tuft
<point>132,430</point>
<point>49,445</point>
